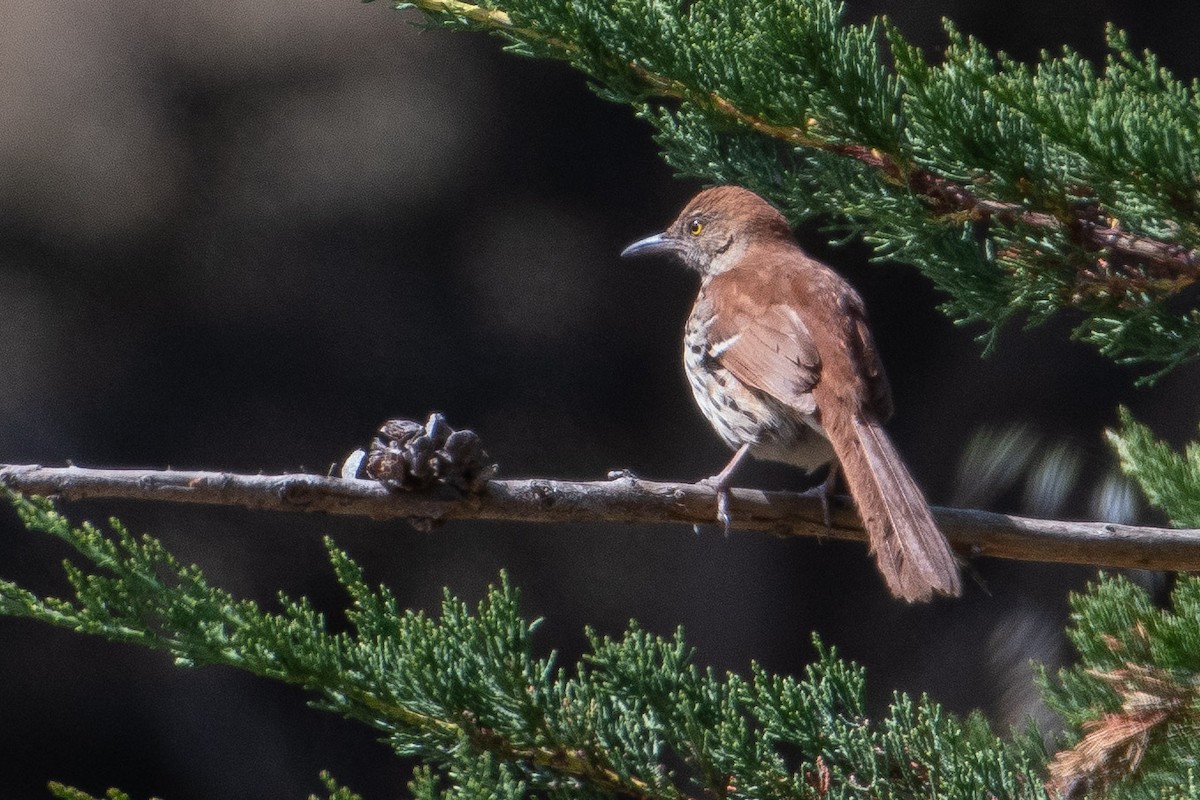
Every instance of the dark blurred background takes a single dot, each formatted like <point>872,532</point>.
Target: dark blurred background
<point>238,234</point>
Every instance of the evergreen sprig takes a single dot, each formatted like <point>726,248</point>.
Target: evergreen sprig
<point>465,694</point>
<point>1018,189</point>
<point>1133,701</point>
<point>1170,480</point>
<point>334,791</point>
<point>62,792</point>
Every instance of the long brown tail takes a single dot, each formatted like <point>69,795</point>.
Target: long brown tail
<point>913,555</point>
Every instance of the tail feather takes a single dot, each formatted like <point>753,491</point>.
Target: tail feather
<point>913,555</point>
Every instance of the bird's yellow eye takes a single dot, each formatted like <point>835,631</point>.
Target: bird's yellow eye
<point>697,227</point>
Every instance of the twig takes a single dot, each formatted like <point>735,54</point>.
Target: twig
<point>623,500</point>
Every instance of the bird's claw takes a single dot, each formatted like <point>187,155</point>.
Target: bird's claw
<point>724,496</point>
<point>723,515</point>
<point>821,492</point>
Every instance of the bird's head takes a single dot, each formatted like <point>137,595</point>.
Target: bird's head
<point>715,228</point>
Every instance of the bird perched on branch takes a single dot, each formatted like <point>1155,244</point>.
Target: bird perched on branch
<point>781,363</point>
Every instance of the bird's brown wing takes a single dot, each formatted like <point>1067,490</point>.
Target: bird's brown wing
<point>863,357</point>
<point>769,346</point>
<point>854,398</point>
<point>765,345</point>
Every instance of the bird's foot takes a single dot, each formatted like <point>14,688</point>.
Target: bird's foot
<point>622,475</point>
<point>821,492</point>
<point>719,484</point>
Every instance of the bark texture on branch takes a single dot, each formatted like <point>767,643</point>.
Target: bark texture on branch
<point>622,500</point>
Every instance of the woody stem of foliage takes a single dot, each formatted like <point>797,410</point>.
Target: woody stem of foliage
<point>947,198</point>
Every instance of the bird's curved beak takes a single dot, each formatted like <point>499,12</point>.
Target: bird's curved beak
<point>658,243</point>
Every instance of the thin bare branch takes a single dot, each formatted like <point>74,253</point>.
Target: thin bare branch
<point>622,500</point>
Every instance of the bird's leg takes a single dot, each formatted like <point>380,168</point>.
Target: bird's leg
<point>822,492</point>
<point>720,482</point>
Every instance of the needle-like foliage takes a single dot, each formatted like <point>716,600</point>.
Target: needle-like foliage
<point>1133,702</point>
<point>466,694</point>
<point>1018,189</point>
<point>1170,480</point>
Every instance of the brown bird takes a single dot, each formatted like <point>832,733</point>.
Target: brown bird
<point>782,365</point>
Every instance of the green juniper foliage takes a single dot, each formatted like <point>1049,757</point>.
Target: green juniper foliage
<point>1171,481</point>
<point>1136,692</point>
<point>465,694</point>
<point>334,792</point>
<point>70,793</point>
<point>1018,189</point>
